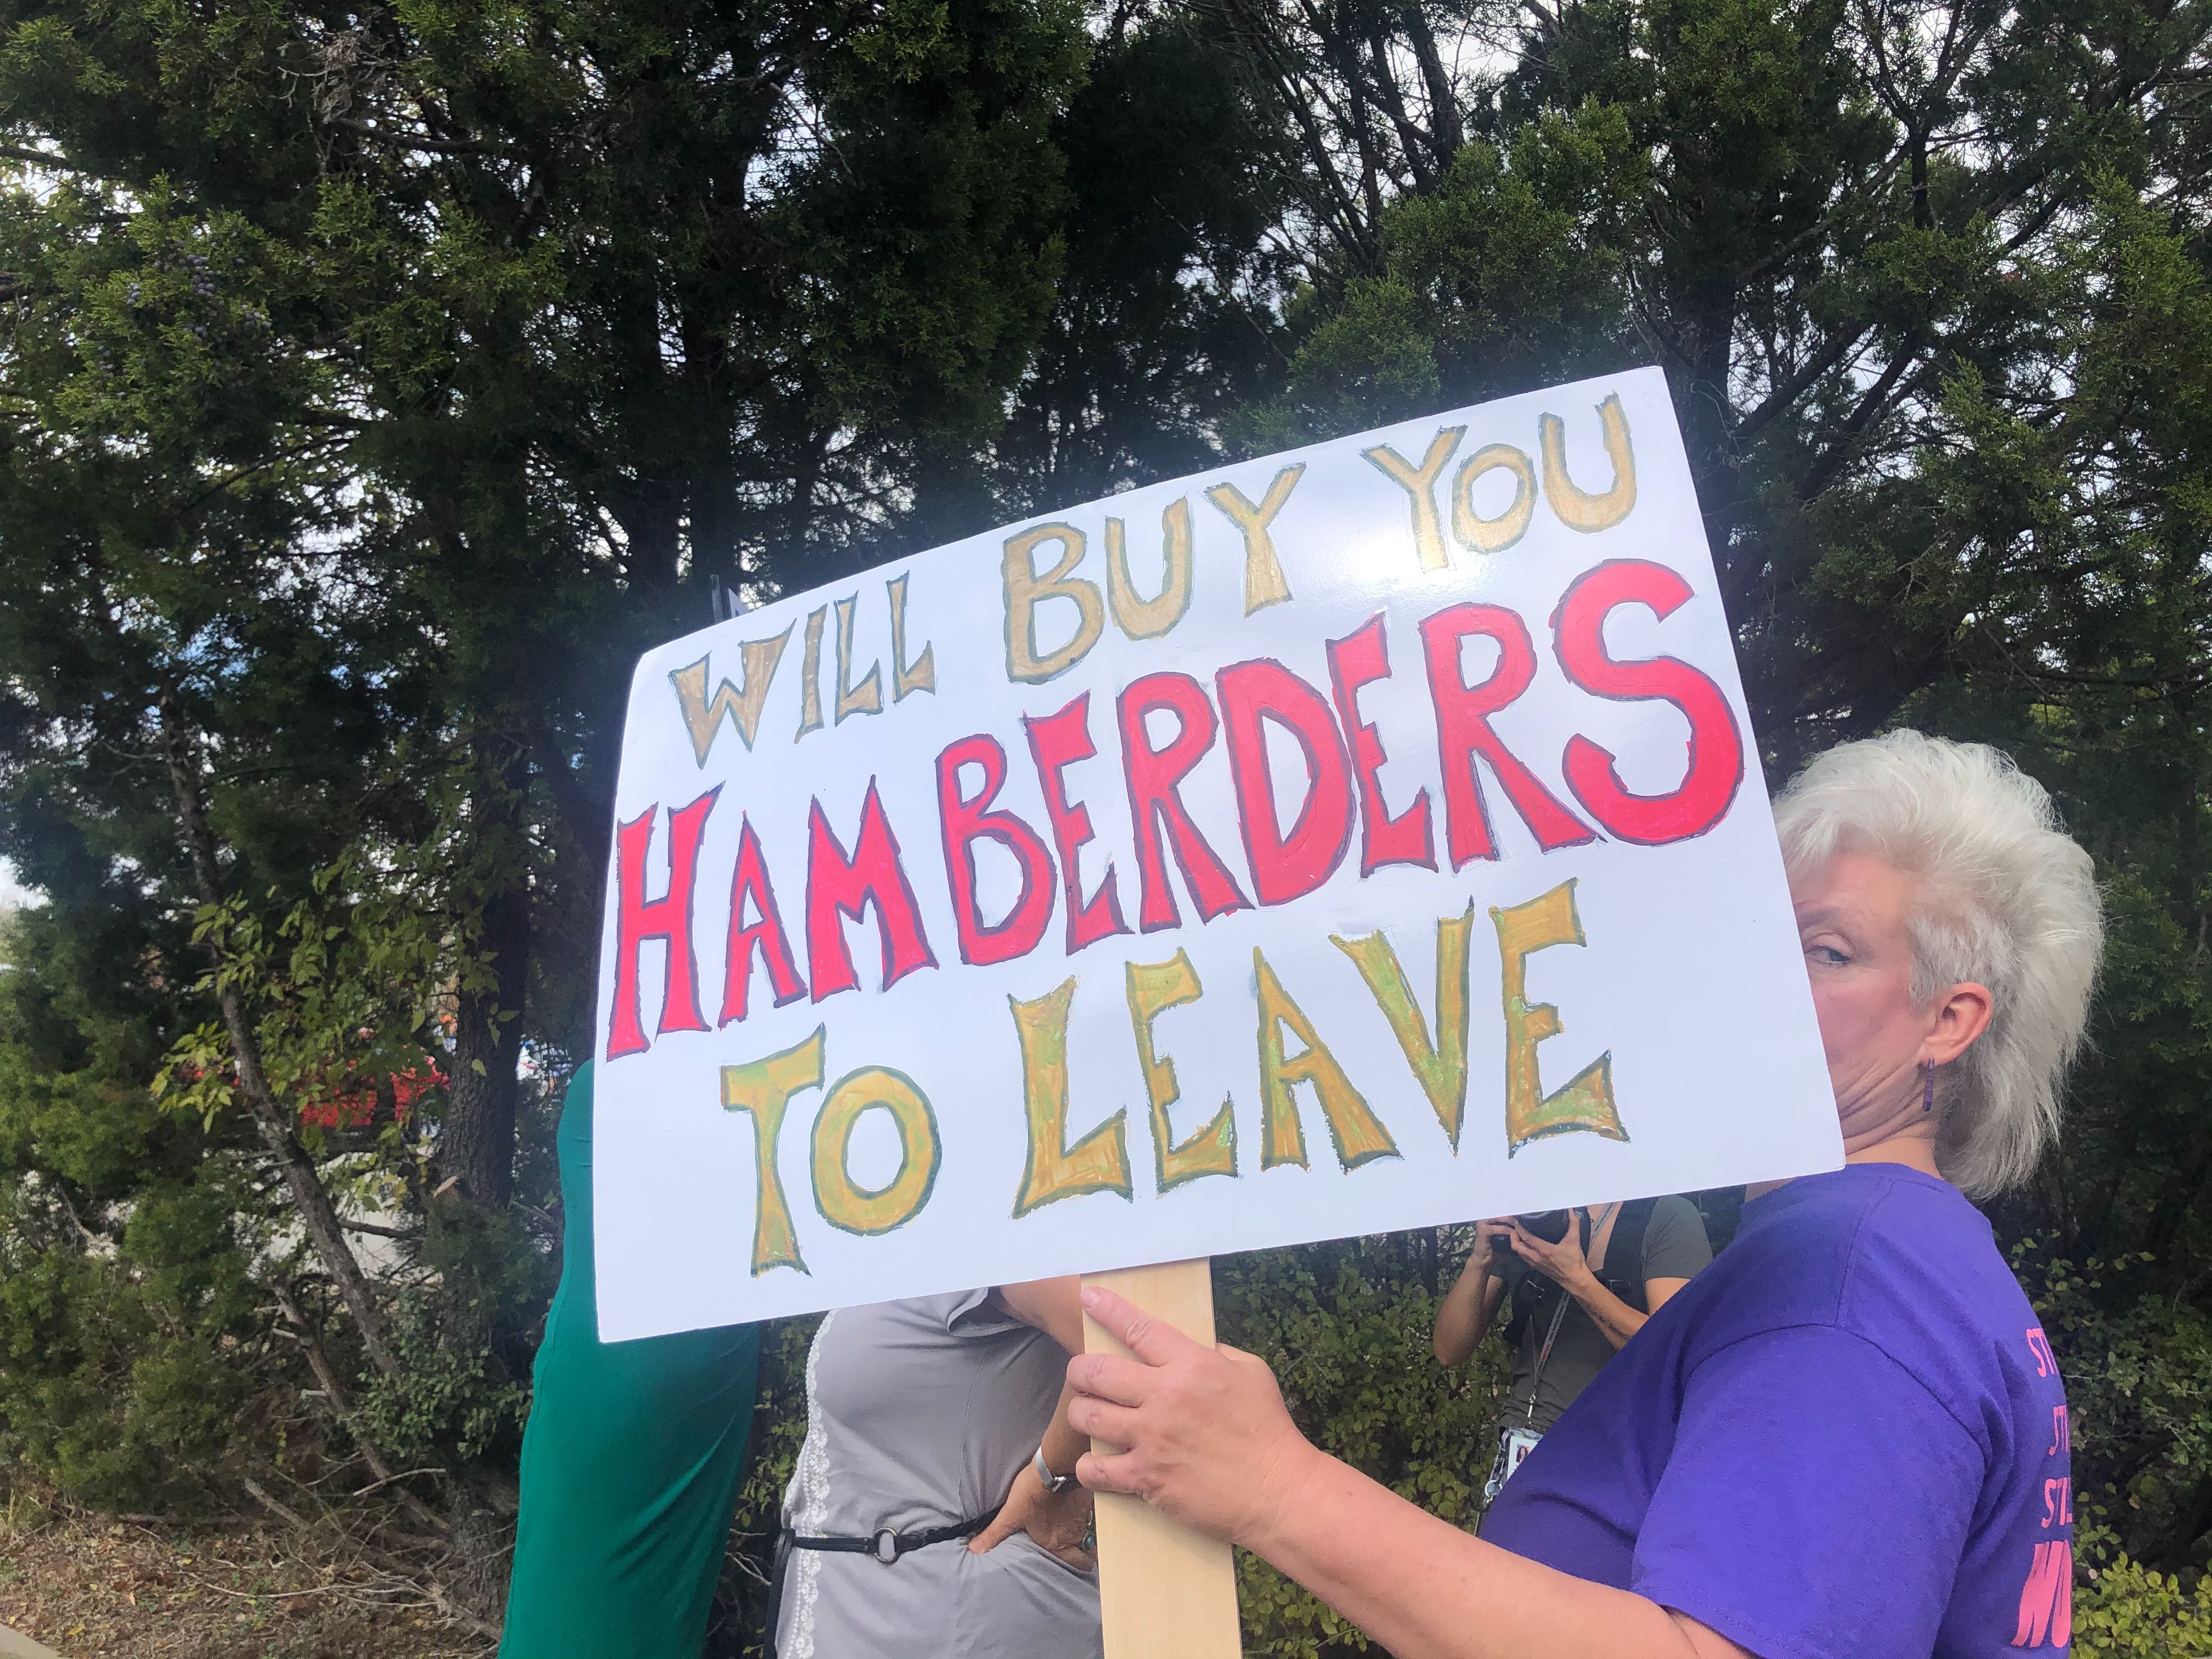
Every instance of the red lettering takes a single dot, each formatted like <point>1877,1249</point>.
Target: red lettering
<point>1284,868</point>
<point>1056,742</point>
<point>966,821</point>
<point>1359,659</point>
<point>1463,714</point>
<point>2046,1601</point>
<point>2062,1432</point>
<point>669,917</point>
<point>1714,747</point>
<point>2046,1363</point>
<point>838,886</point>
<point>1153,776</point>
<point>765,938</point>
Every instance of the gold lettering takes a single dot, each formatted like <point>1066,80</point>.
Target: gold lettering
<point>1097,1162</point>
<point>702,719</point>
<point>1357,1133</point>
<point>1494,535</point>
<point>1024,588</point>
<point>1419,484</point>
<point>1440,1065</point>
<point>1578,510</point>
<point>842,1202</point>
<point>809,669</point>
<point>764,1088</point>
<point>1587,1101</point>
<point>1263,572</point>
<point>922,676</point>
<point>1155,988</point>
<point>867,697</point>
<point>1147,619</point>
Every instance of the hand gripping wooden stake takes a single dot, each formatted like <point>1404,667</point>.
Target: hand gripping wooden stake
<point>1165,1591</point>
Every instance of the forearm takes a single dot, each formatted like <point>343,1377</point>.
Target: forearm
<point>1062,1445</point>
<point>1616,1318</point>
<point>1465,1312</point>
<point>1423,1589</point>
<point>1049,1305</point>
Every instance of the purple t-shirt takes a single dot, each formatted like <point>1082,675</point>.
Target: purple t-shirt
<point>1847,1437</point>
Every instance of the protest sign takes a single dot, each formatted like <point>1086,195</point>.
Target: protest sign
<point>1361,838</point>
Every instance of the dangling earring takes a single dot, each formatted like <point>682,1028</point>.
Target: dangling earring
<point>1928,1093</point>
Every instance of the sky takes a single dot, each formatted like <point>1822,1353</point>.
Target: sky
<point>12,891</point>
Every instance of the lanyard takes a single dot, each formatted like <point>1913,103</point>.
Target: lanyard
<point>1552,1335</point>
<point>1536,1382</point>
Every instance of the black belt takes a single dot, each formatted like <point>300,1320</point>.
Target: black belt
<point>887,1544</point>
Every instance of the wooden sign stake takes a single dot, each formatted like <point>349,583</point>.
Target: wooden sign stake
<point>1165,1591</point>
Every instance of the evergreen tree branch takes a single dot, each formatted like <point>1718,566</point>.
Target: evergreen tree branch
<point>40,158</point>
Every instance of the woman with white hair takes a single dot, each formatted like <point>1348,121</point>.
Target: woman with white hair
<point>1848,1436</point>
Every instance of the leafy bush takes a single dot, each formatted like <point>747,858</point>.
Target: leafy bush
<point>2138,1369</point>
<point>123,1378</point>
<point>1346,1325</point>
<point>449,1399</point>
<point>2132,1612</point>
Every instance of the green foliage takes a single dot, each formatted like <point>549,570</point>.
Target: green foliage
<point>121,1376</point>
<point>449,1401</point>
<point>132,1367</point>
<point>2123,1608</point>
<point>342,981</point>
<point>373,385</point>
<point>1510,273</point>
<point>1164,324</point>
<point>2138,1370</point>
<point>1346,1325</point>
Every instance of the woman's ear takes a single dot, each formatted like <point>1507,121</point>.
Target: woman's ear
<point>1961,1015</point>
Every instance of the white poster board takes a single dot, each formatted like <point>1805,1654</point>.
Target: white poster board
<point>1362,838</point>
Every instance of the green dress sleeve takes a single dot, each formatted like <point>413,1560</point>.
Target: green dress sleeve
<point>630,1462</point>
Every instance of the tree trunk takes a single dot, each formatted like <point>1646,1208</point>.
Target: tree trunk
<point>318,1215</point>
<point>476,1138</point>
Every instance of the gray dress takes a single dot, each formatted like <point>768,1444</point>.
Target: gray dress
<point>920,1414</point>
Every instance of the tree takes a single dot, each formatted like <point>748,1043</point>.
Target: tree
<point>1928,281</point>
<point>378,383</point>
<point>1165,321</point>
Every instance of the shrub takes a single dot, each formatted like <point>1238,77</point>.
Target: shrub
<point>2123,1608</point>
<point>1346,1325</point>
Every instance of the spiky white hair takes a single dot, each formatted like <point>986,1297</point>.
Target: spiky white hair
<point>2007,900</point>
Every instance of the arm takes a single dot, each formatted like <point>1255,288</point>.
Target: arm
<point>1424,1589</point>
<point>1675,1249</point>
<point>1049,1305</point>
<point>1059,1521</point>
<point>1565,1263</point>
<point>1214,1448</point>
<point>1614,1317</point>
<point>1472,1303</point>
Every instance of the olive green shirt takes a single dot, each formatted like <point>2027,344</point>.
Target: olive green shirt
<point>1674,1247</point>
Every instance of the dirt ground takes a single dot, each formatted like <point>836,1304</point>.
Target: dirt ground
<point>124,1590</point>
